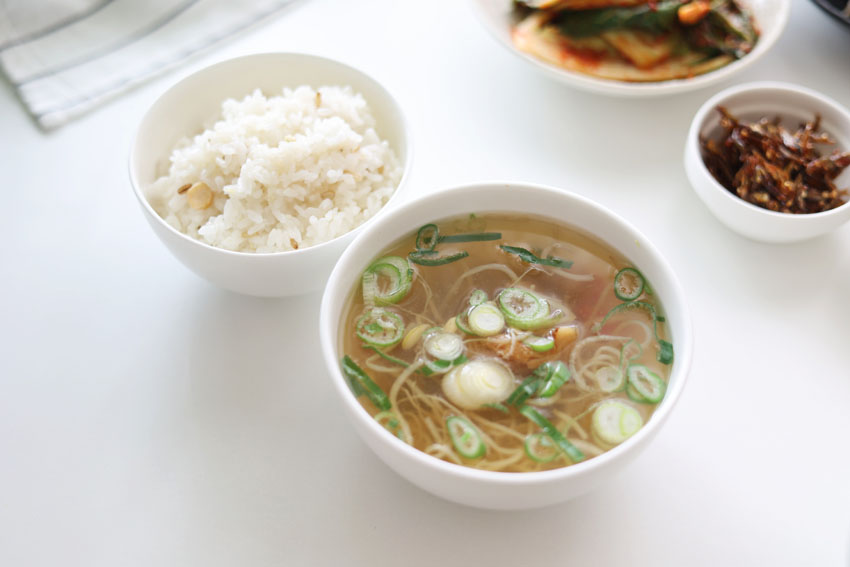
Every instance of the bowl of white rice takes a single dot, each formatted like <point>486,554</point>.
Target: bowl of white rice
<point>258,171</point>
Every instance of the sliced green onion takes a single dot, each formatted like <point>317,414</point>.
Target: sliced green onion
<point>395,271</point>
<point>525,390</point>
<point>424,370</point>
<point>440,366</point>
<point>553,374</point>
<point>665,351</point>
<point>614,421</point>
<point>465,437</point>
<point>380,327</point>
<point>387,357</point>
<point>573,452</point>
<point>540,448</point>
<point>628,284</point>
<point>610,379</point>
<point>427,237</point>
<point>462,322</point>
<point>665,348</point>
<point>444,346</point>
<point>364,384</point>
<point>634,395</point>
<point>389,421</point>
<point>630,421</point>
<point>646,382</point>
<point>370,288</point>
<point>471,237</point>
<point>481,381</point>
<point>477,297</point>
<point>497,406</point>
<point>435,367</point>
<point>531,258</point>
<point>485,320</point>
<point>356,386</point>
<point>423,259</point>
<point>540,344</point>
<point>525,310</point>
<point>626,358</point>
<point>626,307</point>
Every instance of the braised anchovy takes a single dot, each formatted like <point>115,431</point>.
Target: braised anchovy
<point>772,167</point>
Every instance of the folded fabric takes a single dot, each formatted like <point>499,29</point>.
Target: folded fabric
<point>65,57</point>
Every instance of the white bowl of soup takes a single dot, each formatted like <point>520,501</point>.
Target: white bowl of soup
<point>505,345</point>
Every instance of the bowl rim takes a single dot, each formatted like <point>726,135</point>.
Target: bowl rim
<point>644,89</point>
<point>768,87</point>
<point>684,344</point>
<point>403,120</point>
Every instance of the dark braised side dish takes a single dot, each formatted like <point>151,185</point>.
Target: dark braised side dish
<point>774,168</point>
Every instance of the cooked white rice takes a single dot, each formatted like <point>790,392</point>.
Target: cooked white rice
<point>286,172</point>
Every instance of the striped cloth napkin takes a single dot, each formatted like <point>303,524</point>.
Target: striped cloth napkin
<point>65,57</point>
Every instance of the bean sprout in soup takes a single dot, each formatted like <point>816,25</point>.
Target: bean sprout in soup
<point>506,343</point>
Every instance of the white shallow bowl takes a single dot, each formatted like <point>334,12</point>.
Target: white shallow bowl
<point>795,105</point>
<point>189,105</point>
<point>771,16</point>
<point>488,489</point>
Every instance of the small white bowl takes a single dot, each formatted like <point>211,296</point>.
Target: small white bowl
<point>795,105</point>
<point>488,489</point>
<point>771,16</point>
<point>185,109</point>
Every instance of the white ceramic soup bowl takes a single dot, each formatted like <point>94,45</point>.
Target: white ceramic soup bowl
<point>488,489</point>
<point>749,102</point>
<point>771,17</point>
<point>188,107</point>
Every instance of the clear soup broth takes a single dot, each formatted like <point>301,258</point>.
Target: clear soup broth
<point>505,342</point>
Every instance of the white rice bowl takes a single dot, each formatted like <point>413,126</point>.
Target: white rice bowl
<point>286,172</point>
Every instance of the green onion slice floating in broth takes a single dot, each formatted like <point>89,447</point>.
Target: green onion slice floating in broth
<point>665,348</point>
<point>552,432</point>
<point>380,327</point>
<point>385,356</point>
<point>553,374</point>
<point>540,448</point>
<point>424,258</point>
<point>628,284</point>
<point>531,258</point>
<point>525,390</point>
<point>427,237</point>
<point>525,310</point>
<point>471,237</point>
<point>361,383</point>
<point>444,346</point>
<point>465,437</point>
<point>648,385</point>
<point>614,421</point>
<point>388,280</point>
<point>539,344</point>
<point>477,297</point>
<point>389,420</point>
<point>485,320</point>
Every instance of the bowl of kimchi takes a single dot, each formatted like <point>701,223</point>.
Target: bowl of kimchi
<point>636,47</point>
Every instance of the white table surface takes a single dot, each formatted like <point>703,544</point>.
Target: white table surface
<point>148,418</point>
